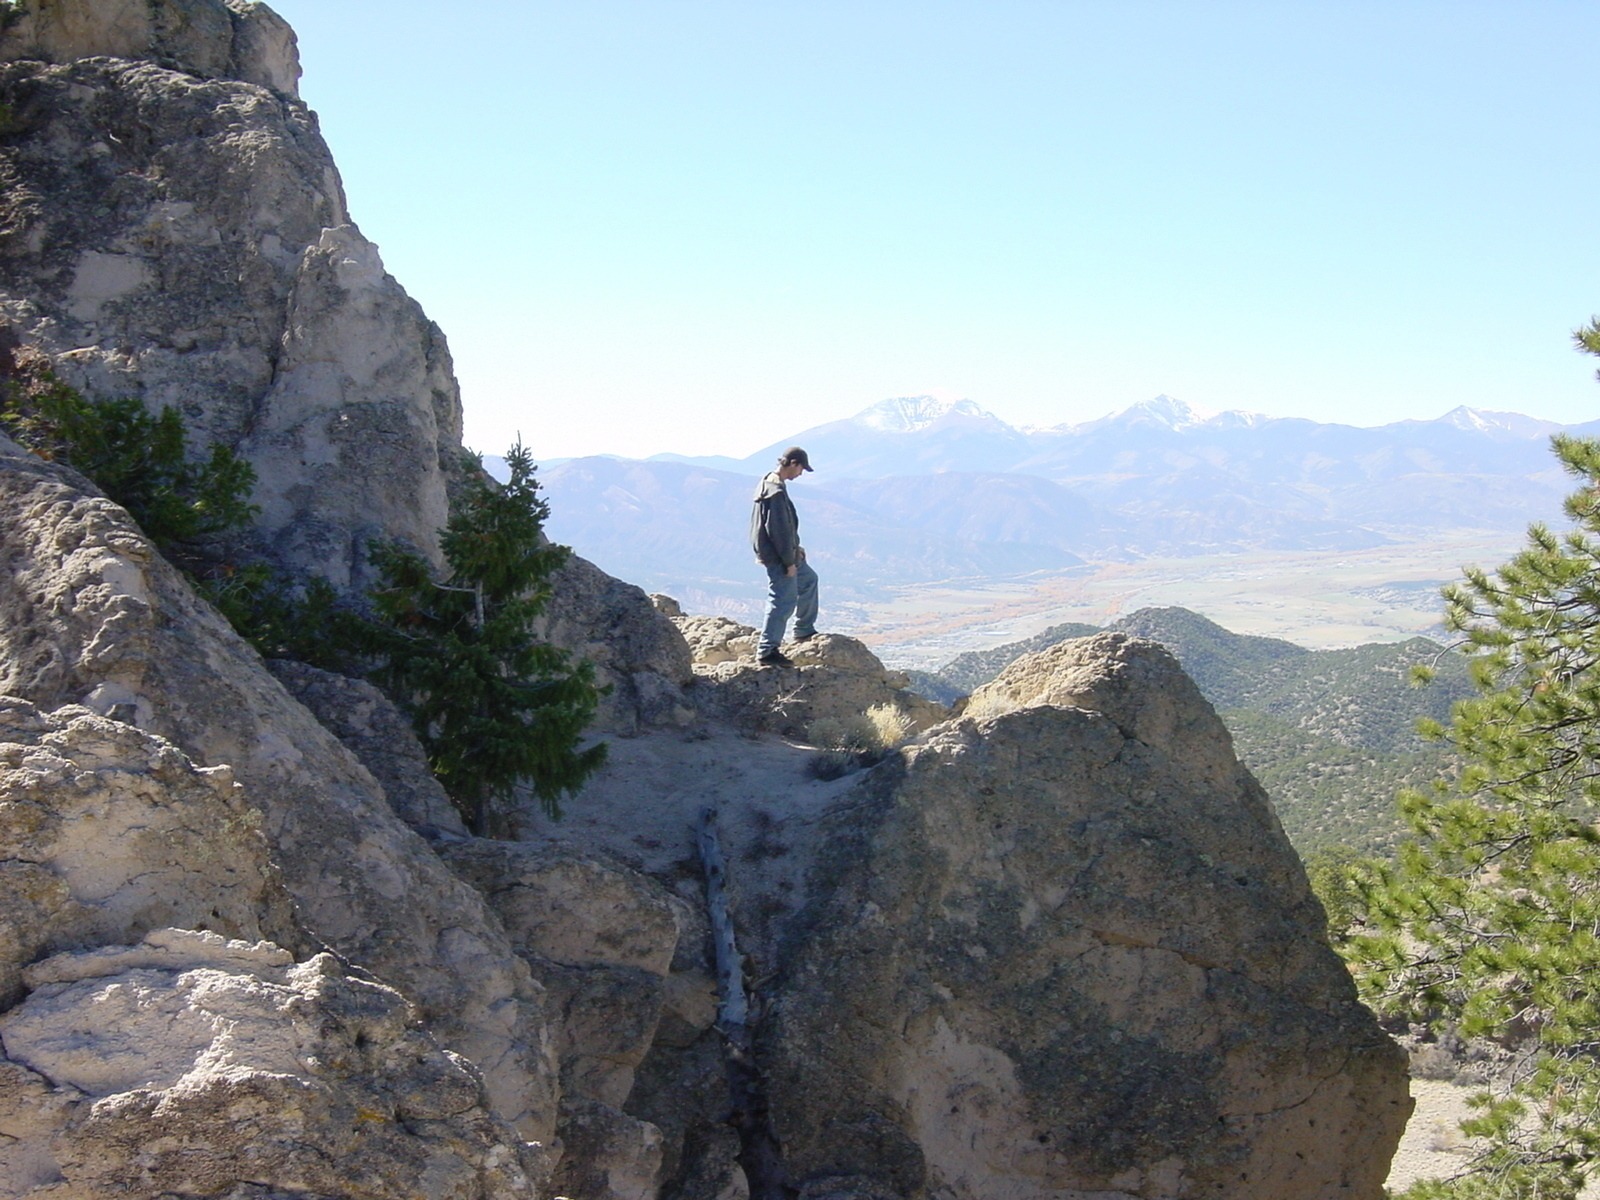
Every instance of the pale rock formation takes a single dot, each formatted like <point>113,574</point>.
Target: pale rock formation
<point>1067,951</point>
<point>601,938</point>
<point>173,233</point>
<point>107,832</point>
<point>358,435</point>
<point>189,1064</point>
<point>665,604</point>
<point>607,1155</point>
<point>214,39</point>
<point>373,729</point>
<point>821,699</point>
<point>1116,675</point>
<point>90,614</point>
<point>636,650</point>
<point>570,906</point>
<point>715,640</point>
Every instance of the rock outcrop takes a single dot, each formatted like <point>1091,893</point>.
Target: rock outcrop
<point>188,1063</point>
<point>372,728</point>
<point>172,227</point>
<point>1055,948</point>
<point>601,939</point>
<point>637,652</point>
<point>1067,950</point>
<point>236,39</point>
<point>1060,949</point>
<point>107,832</point>
<point>823,699</point>
<point>89,614</point>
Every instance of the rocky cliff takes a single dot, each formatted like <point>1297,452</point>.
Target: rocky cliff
<point>1057,947</point>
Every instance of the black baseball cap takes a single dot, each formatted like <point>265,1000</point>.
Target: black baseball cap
<point>796,455</point>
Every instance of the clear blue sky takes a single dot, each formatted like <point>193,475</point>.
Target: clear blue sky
<point>700,227</point>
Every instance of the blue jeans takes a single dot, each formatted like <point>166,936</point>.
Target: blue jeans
<point>789,595</point>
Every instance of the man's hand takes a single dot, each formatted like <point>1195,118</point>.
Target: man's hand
<point>791,570</point>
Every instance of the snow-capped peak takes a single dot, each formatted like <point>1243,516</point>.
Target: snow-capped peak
<point>1484,420</point>
<point>907,414</point>
<point>1164,410</point>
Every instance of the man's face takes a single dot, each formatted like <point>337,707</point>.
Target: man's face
<point>790,470</point>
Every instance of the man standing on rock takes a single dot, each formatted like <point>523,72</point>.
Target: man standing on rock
<point>775,537</point>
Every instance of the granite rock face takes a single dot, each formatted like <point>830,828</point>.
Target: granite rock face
<point>601,939</point>
<point>107,833</point>
<point>172,227</point>
<point>372,728</point>
<point>823,699</point>
<point>171,232</point>
<point>637,651</point>
<point>90,615</point>
<point>1067,951</point>
<point>230,39</point>
<point>188,1063</point>
<point>715,639</point>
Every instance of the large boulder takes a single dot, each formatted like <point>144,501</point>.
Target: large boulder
<point>90,614</point>
<point>107,832</point>
<point>1105,968</point>
<point>601,938</point>
<point>636,650</point>
<point>193,1065</point>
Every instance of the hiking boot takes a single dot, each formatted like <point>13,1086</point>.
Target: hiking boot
<point>800,638</point>
<point>775,658</point>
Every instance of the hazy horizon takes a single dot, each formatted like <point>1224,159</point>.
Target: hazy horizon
<point>1030,428</point>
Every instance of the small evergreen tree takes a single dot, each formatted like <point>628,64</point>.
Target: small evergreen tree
<point>495,707</point>
<point>138,459</point>
<point>187,508</point>
<point>1489,922</point>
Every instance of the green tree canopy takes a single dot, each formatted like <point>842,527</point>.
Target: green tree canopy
<point>495,707</point>
<point>1489,922</point>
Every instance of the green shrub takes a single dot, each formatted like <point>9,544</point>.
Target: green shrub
<point>136,458</point>
<point>495,707</point>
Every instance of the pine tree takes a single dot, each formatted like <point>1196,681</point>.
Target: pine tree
<point>1489,922</point>
<point>138,459</point>
<point>494,706</point>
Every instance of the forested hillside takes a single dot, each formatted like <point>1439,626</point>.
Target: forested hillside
<point>1331,734</point>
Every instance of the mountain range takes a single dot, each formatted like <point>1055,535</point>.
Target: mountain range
<point>914,435</point>
<point>917,489</point>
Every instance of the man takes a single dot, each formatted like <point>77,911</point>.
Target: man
<point>775,537</point>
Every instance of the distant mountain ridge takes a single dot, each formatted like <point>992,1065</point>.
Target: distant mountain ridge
<point>898,435</point>
<point>922,489</point>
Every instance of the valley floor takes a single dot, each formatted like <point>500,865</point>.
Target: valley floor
<point>1318,600</point>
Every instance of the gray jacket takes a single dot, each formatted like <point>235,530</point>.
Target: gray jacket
<point>774,525</point>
